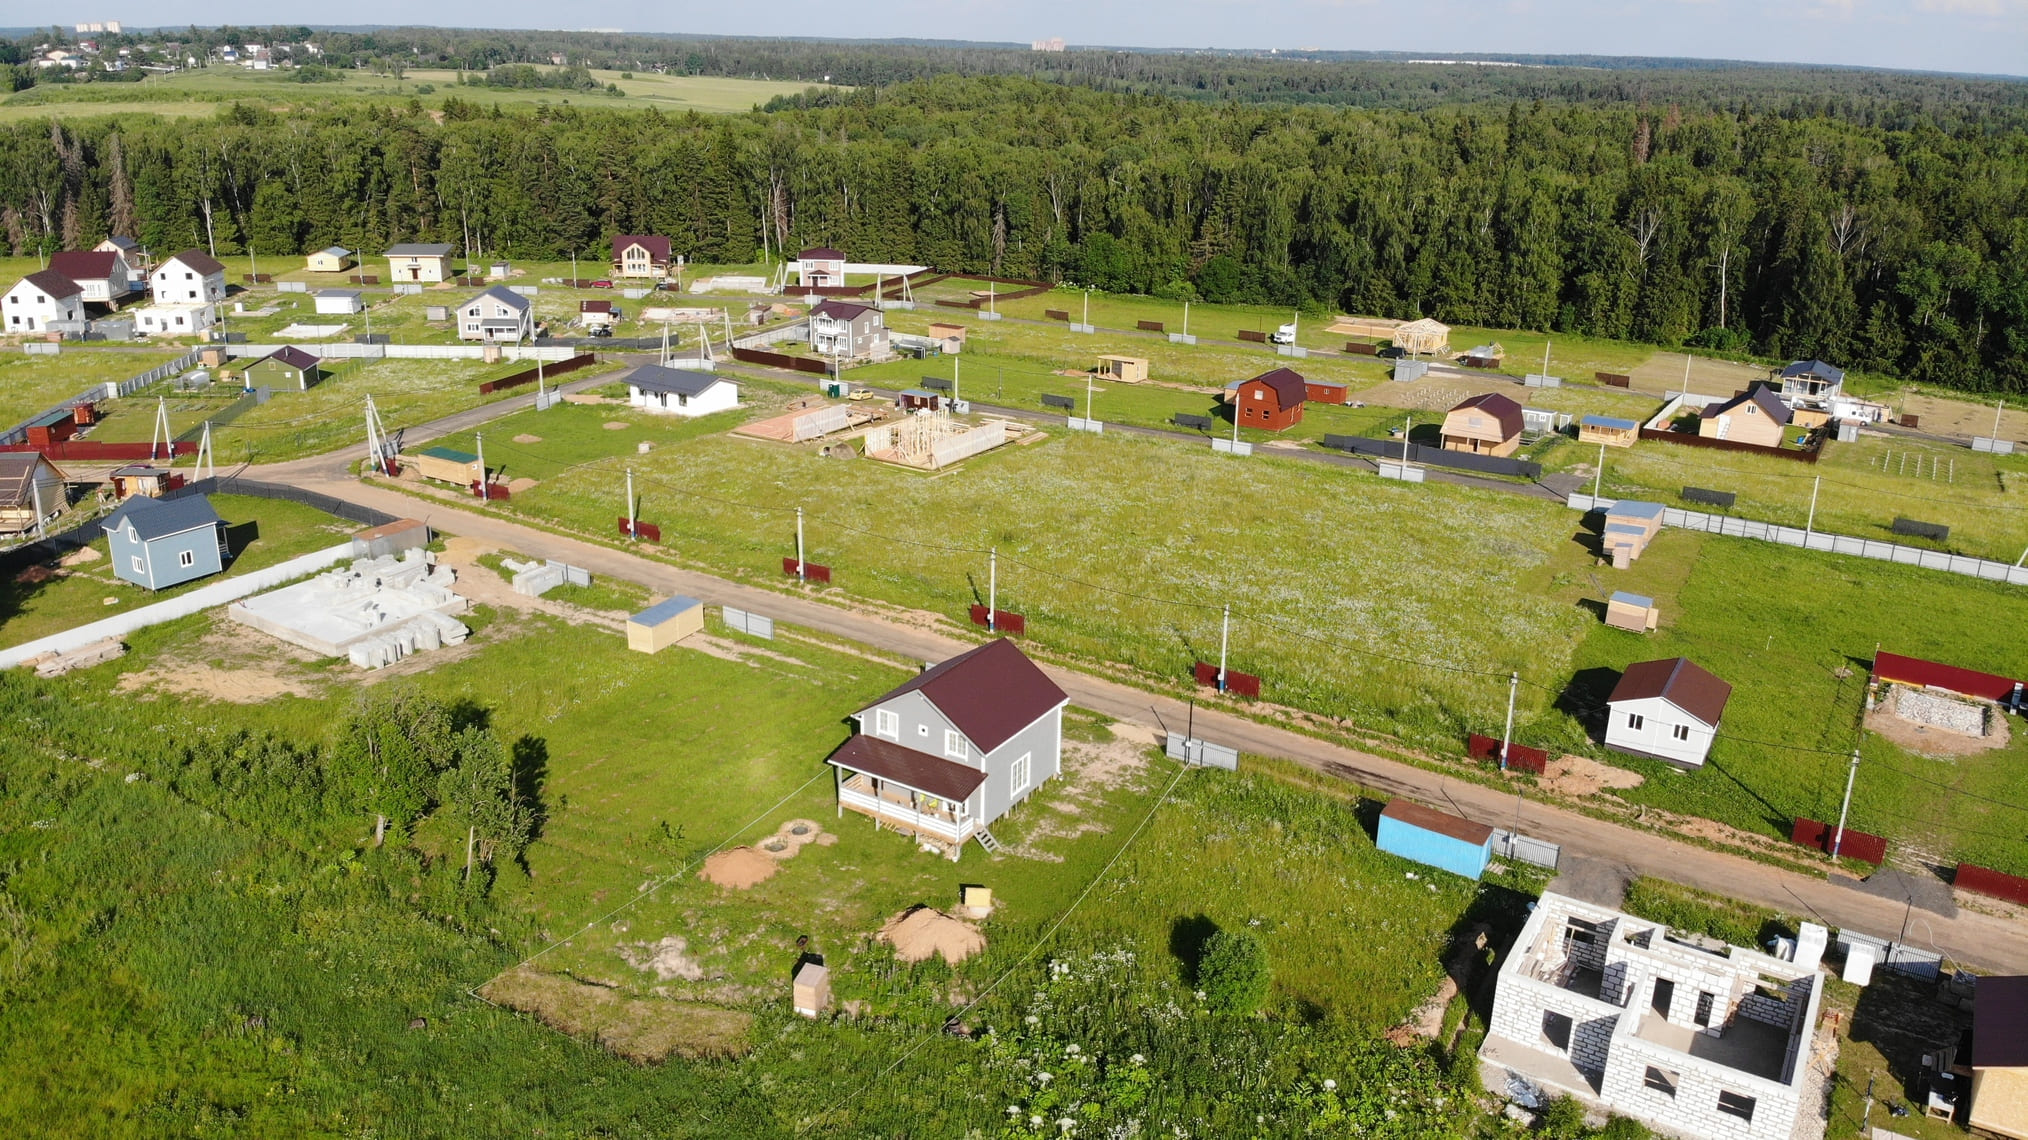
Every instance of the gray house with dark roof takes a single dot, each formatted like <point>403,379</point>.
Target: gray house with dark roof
<point>955,748</point>
<point>1811,383</point>
<point>498,313</point>
<point>159,543</point>
<point>680,391</point>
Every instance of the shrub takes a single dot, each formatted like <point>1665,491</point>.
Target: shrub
<point>1233,973</point>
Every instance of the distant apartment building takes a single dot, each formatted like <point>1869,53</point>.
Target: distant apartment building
<point>1054,43</point>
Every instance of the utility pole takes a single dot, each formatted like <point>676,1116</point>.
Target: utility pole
<point>1598,482</point>
<point>992,589</point>
<point>479,441</point>
<point>1686,374</point>
<point>1545,361</point>
<point>1811,525</point>
<point>1087,402</point>
<point>160,432</point>
<point>802,570</point>
<point>1838,839</point>
<point>1407,424</point>
<point>632,526</point>
<point>1186,318</point>
<point>1224,637</point>
<point>1513,686</point>
<point>207,465</point>
<point>35,491</point>
<point>1996,418</point>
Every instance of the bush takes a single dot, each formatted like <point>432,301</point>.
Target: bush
<point>1233,973</point>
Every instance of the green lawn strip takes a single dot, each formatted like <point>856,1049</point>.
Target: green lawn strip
<point>281,530</point>
<point>30,384</point>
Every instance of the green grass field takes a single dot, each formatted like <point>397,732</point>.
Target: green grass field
<point>30,384</point>
<point>198,91</point>
<point>263,532</point>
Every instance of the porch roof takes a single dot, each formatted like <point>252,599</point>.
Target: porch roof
<point>918,770</point>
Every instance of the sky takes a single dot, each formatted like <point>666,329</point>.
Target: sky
<point>1978,36</point>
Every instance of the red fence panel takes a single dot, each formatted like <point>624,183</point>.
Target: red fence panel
<point>811,571</point>
<point>1244,684</point>
<point>1855,845</point>
<point>1916,671</point>
<point>1255,337</point>
<point>1362,348</point>
<point>497,491</point>
<point>1614,379</point>
<point>1004,621</point>
<point>1520,757</point>
<point>529,375</point>
<point>1986,881</point>
<point>1149,326</point>
<point>87,450</point>
<point>646,532</point>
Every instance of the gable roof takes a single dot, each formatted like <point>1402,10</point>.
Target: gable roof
<point>198,260</point>
<point>657,247</point>
<point>841,310</point>
<point>681,381</point>
<point>53,283</point>
<point>1760,395</point>
<point>418,249</point>
<point>1429,819</point>
<point>1287,383</point>
<point>594,306</point>
<point>290,355</point>
<point>1503,410</point>
<point>160,518</point>
<point>1813,368</point>
<point>1613,422</point>
<point>84,265</point>
<point>989,693</point>
<point>122,243</point>
<point>1680,682</point>
<point>1999,1010</point>
<point>336,251</point>
<point>820,253</point>
<point>17,476</point>
<point>501,293</point>
<point>946,779</point>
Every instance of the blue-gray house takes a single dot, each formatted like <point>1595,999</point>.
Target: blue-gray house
<point>159,543</point>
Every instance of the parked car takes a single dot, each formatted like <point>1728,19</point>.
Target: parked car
<point>602,283</point>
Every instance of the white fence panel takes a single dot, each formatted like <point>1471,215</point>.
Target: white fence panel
<point>1191,750</point>
<point>751,624</point>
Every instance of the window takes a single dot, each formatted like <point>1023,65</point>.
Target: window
<point>1556,1030</point>
<point>1635,721</point>
<point>954,744</point>
<point>139,566</point>
<point>1734,1104</point>
<point>1680,732</point>
<point>1017,775</point>
<point>186,558</point>
<point>1258,394</point>
<point>1660,1080</point>
<point>886,723</point>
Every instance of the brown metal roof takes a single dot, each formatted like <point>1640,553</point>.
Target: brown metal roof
<point>1288,386</point>
<point>990,693</point>
<point>1429,819</point>
<point>820,253</point>
<point>1680,682</point>
<point>84,265</point>
<point>841,310</point>
<point>2000,1023</point>
<point>17,473</point>
<point>945,779</point>
<point>53,283</point>
<point>201,261</point>
<point>1501,408</point>
<point>594,306</point>
<point>1760,394</point>
<point>657,247</point>
<point>291,356</point>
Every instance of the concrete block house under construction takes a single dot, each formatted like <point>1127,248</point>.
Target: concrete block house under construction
<point>1694,1038</point>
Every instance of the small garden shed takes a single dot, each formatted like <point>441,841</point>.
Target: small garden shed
<point>1630,525</point>
<point>664,624</point>
<point>1635,613</point>
<point>1431,837</point>
<point>158,543</point>
<point>447,465</point>
<point>1609,430</point>
<point>287,369</point>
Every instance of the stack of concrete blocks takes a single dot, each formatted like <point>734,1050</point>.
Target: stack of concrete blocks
<point>429,630</point>
<point>538,578</point>
<point>373,613</point>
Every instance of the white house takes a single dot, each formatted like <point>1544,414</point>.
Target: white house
<point>418,261</point>
<point>680,391</point>
<point>499,313</point>
<point>40,298</point>
<point>1666,710</point>
<point>339,302</point>
<point>104,277</point>
<point>138,260</point>
<point>174,320</point>
<point>192,277</point>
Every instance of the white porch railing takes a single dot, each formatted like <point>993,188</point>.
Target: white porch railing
<point>905,816</point>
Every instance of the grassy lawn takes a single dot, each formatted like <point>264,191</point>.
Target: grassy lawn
<point>195,92</point>
<point>262,532</point>
<point>30,384</point>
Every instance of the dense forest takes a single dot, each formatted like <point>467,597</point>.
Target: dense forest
<point>1900,250</point>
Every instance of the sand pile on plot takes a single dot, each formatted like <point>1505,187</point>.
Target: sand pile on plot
<point>617,425</point>
<point>1582,776</point>
<point>79,557</point>
<point>524,437</point>
<point>920,931</point>
<point>668,958</point>
<point>738,868</point>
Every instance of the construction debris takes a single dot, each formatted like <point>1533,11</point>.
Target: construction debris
<point>538,578</point>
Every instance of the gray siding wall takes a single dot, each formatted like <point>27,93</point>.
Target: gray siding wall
<point>1042,743</point>
<point>922,727</point>
<point>161,558</point>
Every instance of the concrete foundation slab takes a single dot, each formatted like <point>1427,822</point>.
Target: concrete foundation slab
<point>374,612</point>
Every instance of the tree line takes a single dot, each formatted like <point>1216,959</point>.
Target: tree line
<point>1896,249</point>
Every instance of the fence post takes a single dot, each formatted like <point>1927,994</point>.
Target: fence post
<point>802,568</point>
<point>1224,636</point>
<point>1852,773</point>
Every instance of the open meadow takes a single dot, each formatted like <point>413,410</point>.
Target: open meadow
<point>30,384</point>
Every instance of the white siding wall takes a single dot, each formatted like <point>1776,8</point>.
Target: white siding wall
<point>1656,735</point>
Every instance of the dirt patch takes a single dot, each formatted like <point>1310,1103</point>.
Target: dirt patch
<point>36,575</point>
<point>237,686</point>
<point>616,425</point>
<point>793,836</point>
<point>643,1030</point>
<point>1956,417</point>
<point>524,437</point>
<point>726,649</point>
<point>1089,771</point>
<point>919,932</point>
<point>1575,776</point>
<point>80,556</point>
<point>487,587</point>
<point>1663,372</point>
<point>668,958</point>
<point>738,869</point>
<point>521,485</point>
<point>1933,740</point>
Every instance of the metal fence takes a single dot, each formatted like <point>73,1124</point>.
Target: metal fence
<point>751,624</point>
<point>1831,543</point>
<point>1202,753</point>
<point>1434,456</point>
<point>253,398</point>
<point>1522,849</point>
<point>1896,956</point>
<point>343,350</point>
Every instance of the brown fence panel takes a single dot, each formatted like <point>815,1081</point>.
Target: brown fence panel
<point>1916,671</point>
<point>528,375</point>
<point>1056,314</point>
<point>1244,684</point>
<point>1362,348</point>
<point>369,279</point>
<point>1910,421</point>
<point>1149,326</point>
<point>490,491</point>
<point>1614,379</point>
<point>1004,621</point>
<point>1255,337</point>
<point>1986,881</point>
<point>1691,439</point>
<point>646,532</point>
<point>1856,844</point>
<point>86,450</point>
<point>811,570</point>
<point>780,360</point>
<point>957,304</point>
<point>1520,757</point>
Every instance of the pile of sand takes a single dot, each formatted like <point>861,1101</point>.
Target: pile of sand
<point>80,556</point>
<point>919,932</point>
<point>738,868</point>
<point>617,425</point>
<point>1571,775</point>
<point>524,437</point>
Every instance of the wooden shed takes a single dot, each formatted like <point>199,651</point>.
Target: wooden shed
<point>141,479</point>
<point>447,465</point>
<point>1425,337</point>
<point>919,399</point>
<point>1629,526</point>
<point>951,337</point>
<point>1435,839</point>
<point>1125,369</point>
<point>1756,416</point>
<point>813,989</point>
<point>1488,424</point>
<point>1609,430</point>
<point>664,624</point>
<point>1326,391</point>
<point>1632,612</point>
<point>1271,401</point>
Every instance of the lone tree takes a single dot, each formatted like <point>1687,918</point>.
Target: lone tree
<point>479,790</point>
<point>1233,973</point>
<point>386,754</point>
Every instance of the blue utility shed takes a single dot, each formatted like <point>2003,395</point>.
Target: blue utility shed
<point>1427,836</point>
<point>159,543</point>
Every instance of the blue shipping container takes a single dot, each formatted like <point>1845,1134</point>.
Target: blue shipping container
<point>1435,839</point>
